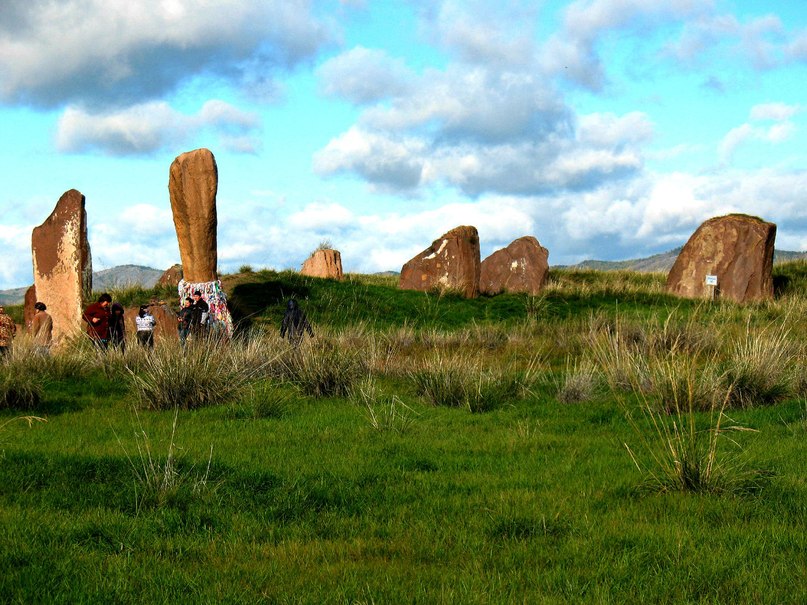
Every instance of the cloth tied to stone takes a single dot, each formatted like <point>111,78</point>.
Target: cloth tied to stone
<point>211,291</point>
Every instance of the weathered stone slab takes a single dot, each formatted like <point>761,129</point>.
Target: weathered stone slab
<point>523,266</point>
<point>28,310</point>
<point>323,263</point>
<point>165,321</point>
<point>192,186</point>
<point>737,249</point>
<point>451,263</point>
<point>63,264</point>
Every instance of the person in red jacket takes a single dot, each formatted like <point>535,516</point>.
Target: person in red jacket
<point>97,317</point>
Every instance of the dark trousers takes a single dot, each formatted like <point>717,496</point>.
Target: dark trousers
<point>146,338</point>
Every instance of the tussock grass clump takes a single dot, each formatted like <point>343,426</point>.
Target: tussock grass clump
<point>323,368</point>
<point>264,401</point>
<point>460,381</point>
<point>386,413</point>
<point>194,377</point>
<point>662,394</point>
<point>760,368</point>
<point>21,388</point>
<point>161,481</point>
<point>579,383</point>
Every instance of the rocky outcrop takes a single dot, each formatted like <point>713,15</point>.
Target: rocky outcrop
<point>62,263</point>
<point>451,263</point>
<point>737,249</point>
<point>171,277</point>
<point>323,263</point>
<point>192,186</point>
<point>523,266</point>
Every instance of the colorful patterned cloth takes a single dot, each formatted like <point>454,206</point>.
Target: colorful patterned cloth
<point>220,318</point>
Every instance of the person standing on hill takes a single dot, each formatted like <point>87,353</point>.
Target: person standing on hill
<point>97,317</point>
<point>7,331</point>
<point>117,329</point>
<point>42,328</point>
<point>295,324</point>
<point>145,327</point>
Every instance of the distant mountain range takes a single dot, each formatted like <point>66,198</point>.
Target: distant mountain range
<point>126,276</point>
<point>663,262</point>
<point>122,276</point>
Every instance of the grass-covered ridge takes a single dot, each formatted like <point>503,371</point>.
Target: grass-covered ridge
<point>603,442</point>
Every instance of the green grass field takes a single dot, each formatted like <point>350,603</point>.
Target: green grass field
<point>422,449</point>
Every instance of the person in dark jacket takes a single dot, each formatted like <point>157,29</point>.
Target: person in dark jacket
<point>117,329</point>
<point>199,315</point>
<point>97,317</point>
<point>184,321</point>
<point>295,324</point>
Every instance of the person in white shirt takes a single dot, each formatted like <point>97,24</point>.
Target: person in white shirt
<point>145,327</point>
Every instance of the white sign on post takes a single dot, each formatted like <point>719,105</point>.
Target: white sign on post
<point>711,280</point>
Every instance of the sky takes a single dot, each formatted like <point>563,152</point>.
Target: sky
<point>607,129</point>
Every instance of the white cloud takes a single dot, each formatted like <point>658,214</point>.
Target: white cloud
<point>774,111</point>
<point>364,75</point>
<point>744,133</point>
<point>114,52</point>
<point>152,126</point>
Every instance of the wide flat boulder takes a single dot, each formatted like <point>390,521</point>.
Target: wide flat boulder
<point>523,266</point>
<point>63,264</point>
<point>171,276</point>
<point>323,263</point>
<point>192,186</point>
<point>736,250</point>
<point>450,264</point>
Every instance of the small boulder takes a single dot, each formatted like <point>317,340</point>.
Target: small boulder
<point>323,263</point>
<point>451,263</point>
<point>523,266</point>
<point>737,249</point>
<point>164,316</point>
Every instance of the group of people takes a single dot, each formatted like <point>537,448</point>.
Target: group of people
<point>106,325</point>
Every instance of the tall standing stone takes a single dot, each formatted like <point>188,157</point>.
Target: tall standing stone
<point>63,264</point>
<point>451,263</point>
<point>192,186</point>
<point>737,249</point>
<point>323,263</point>
<point>523,266</point>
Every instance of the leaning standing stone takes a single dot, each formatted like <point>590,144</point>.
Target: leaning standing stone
<point>523,266</point>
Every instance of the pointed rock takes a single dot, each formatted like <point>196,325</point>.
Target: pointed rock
<point>323,263</point>
<point>523,266</point>
<point>192,186</point>
<point>737,249</point>
<point>451,263</point>
<point>62,263</point>
<point>171,277</point>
